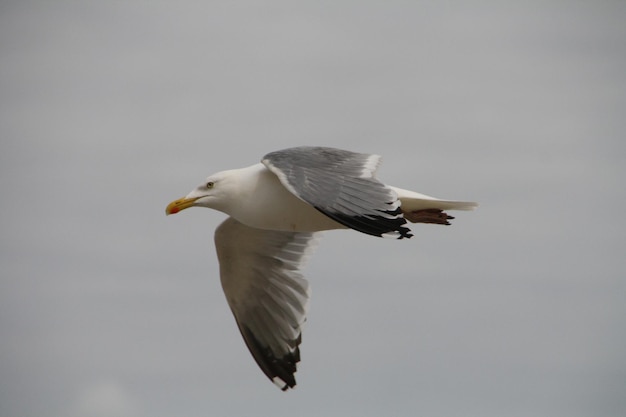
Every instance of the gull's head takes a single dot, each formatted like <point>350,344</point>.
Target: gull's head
<point>212,193</point>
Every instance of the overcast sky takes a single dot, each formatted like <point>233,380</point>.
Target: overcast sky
<point>110,110</point>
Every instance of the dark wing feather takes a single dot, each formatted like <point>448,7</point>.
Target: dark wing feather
<point>341,185</point>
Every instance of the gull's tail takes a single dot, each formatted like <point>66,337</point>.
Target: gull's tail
<point>421,208</point>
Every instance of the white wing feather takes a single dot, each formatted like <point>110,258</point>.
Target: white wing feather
<point>261,278</point>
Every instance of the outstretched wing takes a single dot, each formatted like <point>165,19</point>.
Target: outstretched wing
<point>341,185</point>
<point>260,275</point>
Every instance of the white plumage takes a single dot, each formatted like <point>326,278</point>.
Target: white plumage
<point>275,208</point>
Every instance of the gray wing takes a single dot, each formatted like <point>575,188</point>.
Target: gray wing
<point>260,275</point>
<point>341,185</point>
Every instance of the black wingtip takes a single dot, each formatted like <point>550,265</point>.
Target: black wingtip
<point>279,370</point>
<point>388,223</point>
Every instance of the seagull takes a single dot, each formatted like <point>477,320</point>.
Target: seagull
<point>276,210</point>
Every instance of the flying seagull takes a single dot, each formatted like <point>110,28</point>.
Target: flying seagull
<point>276,208</point>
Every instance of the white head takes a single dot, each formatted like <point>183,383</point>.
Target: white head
<point>216,192</point>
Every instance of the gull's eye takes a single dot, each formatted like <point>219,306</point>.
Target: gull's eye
<point>210,184</point>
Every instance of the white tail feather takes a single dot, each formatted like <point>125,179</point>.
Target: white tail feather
<point>412,201</point>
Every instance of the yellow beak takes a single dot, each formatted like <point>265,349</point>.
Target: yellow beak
<point>180,204</point>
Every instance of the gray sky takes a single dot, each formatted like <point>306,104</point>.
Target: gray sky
<point>110,110</point>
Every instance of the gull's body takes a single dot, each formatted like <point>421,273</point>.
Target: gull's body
<point>258,187</point>
<point>275,208</point>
